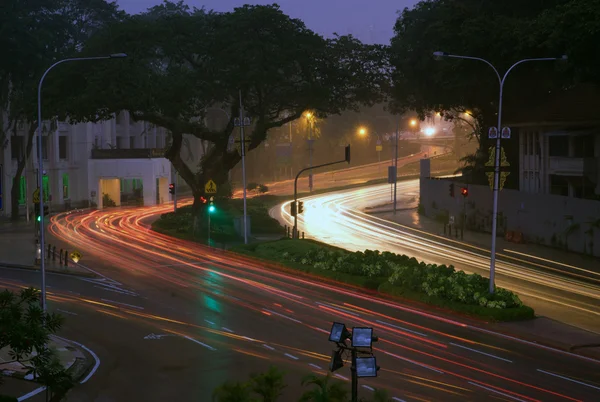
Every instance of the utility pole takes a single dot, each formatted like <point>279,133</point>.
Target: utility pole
<point>243,147</point>
<point>310,154</point>
<point>396,165</point>
<point>175,194</point>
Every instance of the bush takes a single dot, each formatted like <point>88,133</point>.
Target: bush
<point>398,275</point>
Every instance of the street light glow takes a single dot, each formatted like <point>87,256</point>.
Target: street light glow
<point>362,131</point>
<point>429,131</point>
<point>413,122</point>
<point>308,115</point>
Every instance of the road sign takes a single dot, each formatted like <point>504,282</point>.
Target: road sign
<point>493,133</point>
<point>210,187</point>
<point>75,256</point>
<point>378,148</point>
<point>36,196</point>
<point>506,132</point>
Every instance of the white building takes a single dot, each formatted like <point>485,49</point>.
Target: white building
<point>561,161</point>
<point>92,163</point>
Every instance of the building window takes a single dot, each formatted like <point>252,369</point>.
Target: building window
<point>558,145</point>
<point>44,147</point>
<point>62,147</point>
<point>559,185</point>
<point>132,142</point>
<point>583,146</point>
<point>65,182</point>
<point>16,146</point>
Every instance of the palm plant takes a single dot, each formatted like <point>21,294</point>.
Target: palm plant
<point>323,390</point>
<point>233,392</point>
<point>270,385</point>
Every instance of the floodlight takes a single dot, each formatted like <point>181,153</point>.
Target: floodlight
<point>336,360</point>
<point>362,337</point>
<point>366,366</point>
<point>338,332</point>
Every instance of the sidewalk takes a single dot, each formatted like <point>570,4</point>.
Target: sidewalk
<point>18,250</point>
<point>541,330</point>
<point>18,383</point>
<point>410,217</point>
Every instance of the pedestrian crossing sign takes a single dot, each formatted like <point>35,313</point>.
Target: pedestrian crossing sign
<point>210,187</point>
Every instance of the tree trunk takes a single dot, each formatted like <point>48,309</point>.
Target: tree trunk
<point>16,184</point>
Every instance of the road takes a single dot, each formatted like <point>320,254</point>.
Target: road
<point>224,315</point>
<point>555,289</point>
<point>348,176</point>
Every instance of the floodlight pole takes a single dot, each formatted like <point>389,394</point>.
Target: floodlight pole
<point>354,376</point>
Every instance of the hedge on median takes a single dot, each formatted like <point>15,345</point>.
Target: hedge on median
<point>399,275</point>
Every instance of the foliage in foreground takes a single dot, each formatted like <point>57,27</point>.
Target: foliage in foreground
<point>26,331</point>
<point>399,275</point>
<point>269,387</point>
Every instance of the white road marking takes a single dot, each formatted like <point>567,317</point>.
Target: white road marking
<point>341,377</point>
<point>249,339</point>
<point>569,379</point>
<point>497,392</point>
<point>268,347</point>
<point>480,352</point>
<point>30,394</point>
<point>66,312</point>
<point>210,322</point>
<point>112,290</point>
<point>398,399</point>
<point>413,362</point>
<point>291,356</point>
<point>401,328</point>
<point>315,366</point>
<point>369,388</point>
<point>124,304</point>
<point>227,329</point>
<point>199,343</point>
<point>96,358</point>
<point>283,315</point>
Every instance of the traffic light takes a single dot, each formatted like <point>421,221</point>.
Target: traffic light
<point>347,155</point>
<point>464,191</point>
<point>36,211</point>
<point>211,206</point>
<point>293,209</point>
<point>451,188</point>
<point>203,200</point>
<point>172,188</point>
<point>46,210</point>
<point>300,207</point>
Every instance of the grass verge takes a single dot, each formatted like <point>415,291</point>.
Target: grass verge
<point>280,251</point>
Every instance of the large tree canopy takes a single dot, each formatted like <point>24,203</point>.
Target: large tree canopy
<point>182,61</point>
<point>502,32</point>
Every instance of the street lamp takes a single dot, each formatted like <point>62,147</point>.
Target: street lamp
<point>309,121</point>
<point>413,122</point>
<point>41,162</point>
<point>362,131</point>
<point>501,79</point>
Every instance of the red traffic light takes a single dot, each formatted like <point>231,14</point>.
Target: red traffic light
<point>203,200</point>
<point>464,191</point>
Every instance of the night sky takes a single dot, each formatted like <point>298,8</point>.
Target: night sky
<point>371,21</point>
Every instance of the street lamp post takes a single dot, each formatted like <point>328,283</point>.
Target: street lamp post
<point>40,159</point>
<point>501,80</point>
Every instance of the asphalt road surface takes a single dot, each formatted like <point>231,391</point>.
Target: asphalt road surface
<point>556,289</point>
<point>219,316</point>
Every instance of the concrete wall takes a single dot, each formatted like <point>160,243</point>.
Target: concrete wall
<point>146,169</point>
<point>540,217</point>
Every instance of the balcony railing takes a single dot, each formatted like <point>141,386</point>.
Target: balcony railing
<point>566,166</point>
<point>135,153</point>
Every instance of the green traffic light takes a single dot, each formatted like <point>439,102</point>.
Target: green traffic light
<point>39,218</point>
<point>211,209</point>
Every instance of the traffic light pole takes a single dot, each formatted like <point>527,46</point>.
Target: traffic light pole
<point>354,376</point>
<point>347,159</point>
<point>175,195</point>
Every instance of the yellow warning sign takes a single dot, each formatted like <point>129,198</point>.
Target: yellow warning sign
<point>210,187</point>
<point>36,196</point>
<point>75,256</point>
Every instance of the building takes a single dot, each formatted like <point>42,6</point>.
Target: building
<point>560,153</point>
<point>115,162</point>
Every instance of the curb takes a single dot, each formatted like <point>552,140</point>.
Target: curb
<point>53,271</point>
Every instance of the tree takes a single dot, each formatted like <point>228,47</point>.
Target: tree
<point>27,329</point>
<point>38,33</point>
<point>500,32</point>
<point>323,390</point>
<point>183,61</point>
